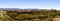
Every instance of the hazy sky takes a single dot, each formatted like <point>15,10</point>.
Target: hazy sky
<point>40,4</point>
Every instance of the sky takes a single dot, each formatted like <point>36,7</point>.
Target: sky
<point>29,4</point>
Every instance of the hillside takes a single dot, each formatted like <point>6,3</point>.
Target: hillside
<point>32,15</point>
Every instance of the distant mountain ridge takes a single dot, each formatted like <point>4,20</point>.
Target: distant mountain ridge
<point>15,9</point>
<point>20,9</point>
<point>9,8</point>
